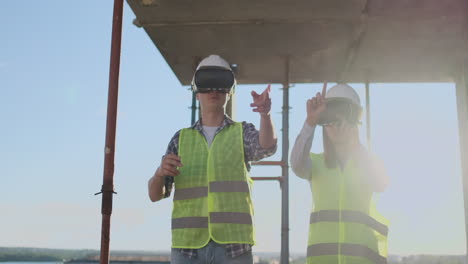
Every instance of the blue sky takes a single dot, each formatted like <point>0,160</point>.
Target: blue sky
<point>54,64</point>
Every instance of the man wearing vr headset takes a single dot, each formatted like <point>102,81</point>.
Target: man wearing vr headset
<point>208,164</point>
<point>344,224</point>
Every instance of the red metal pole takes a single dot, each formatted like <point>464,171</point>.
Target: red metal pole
<point>108,181</point>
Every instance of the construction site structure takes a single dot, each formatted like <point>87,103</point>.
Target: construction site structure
<point>300,41</point>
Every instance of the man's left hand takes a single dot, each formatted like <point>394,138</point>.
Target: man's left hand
<point>262,102</point>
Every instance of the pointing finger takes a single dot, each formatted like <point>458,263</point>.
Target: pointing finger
<point>268,89</point>
<point>255,95</point>
<point>324,88</point>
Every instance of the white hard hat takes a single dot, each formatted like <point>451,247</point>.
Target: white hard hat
<point>214,61</point>
<point>213,74</point>
<point>343,91</point>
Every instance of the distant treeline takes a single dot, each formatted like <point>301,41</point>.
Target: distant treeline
<point>41,254</point>
<point>45,254</point>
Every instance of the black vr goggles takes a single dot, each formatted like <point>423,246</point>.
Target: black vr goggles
<point>339,110</point>
<point>212,78</point>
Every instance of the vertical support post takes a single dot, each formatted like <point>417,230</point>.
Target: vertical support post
<point>462,109</point>
<point>199,110</point>
<point>368,121</point>
<point>285,169</point>
<point>107,189</point>
<point>196,61</point>
<point>194,108</point>
<point>231,104</point>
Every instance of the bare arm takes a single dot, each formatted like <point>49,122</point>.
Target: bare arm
<point>168,167</point>
<point>156,187</point>
<point>300,158</point>
<point>267,135</point>
<point>262,104</point>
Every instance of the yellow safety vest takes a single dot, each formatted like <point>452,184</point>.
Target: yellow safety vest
<point>212,192</point>
<point>345,227</point>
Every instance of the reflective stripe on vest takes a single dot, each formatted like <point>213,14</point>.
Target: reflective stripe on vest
<point>190,193</point>
<point>216,186</point>
<point>348,216</point>
<point>231,218</point>
<point>229,186</point>
<point>190,222</point>
<point>346,249</point>
<point>215,217</point>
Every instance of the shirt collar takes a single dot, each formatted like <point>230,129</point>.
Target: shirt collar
<point>226,122</point>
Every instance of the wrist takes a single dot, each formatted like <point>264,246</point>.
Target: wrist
<point>158,174</point>
<point>311,122</point>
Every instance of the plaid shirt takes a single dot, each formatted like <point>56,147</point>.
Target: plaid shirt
<point>252,151</point>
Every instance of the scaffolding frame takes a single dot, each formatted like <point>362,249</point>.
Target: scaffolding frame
<point>107,189</point>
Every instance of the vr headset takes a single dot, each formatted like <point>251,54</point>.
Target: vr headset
<point>339,110</point>
<point>213,78</point>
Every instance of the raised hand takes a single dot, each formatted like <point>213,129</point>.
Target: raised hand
<point>262,102</point>
<point>316,106</point>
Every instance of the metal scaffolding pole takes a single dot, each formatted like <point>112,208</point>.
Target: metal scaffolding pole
<point>194,108</point>
<point>107,188</point>
<point>285,170</point>
<point>462,109</point>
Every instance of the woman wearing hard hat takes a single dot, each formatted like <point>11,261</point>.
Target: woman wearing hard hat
<point>344,226</point>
